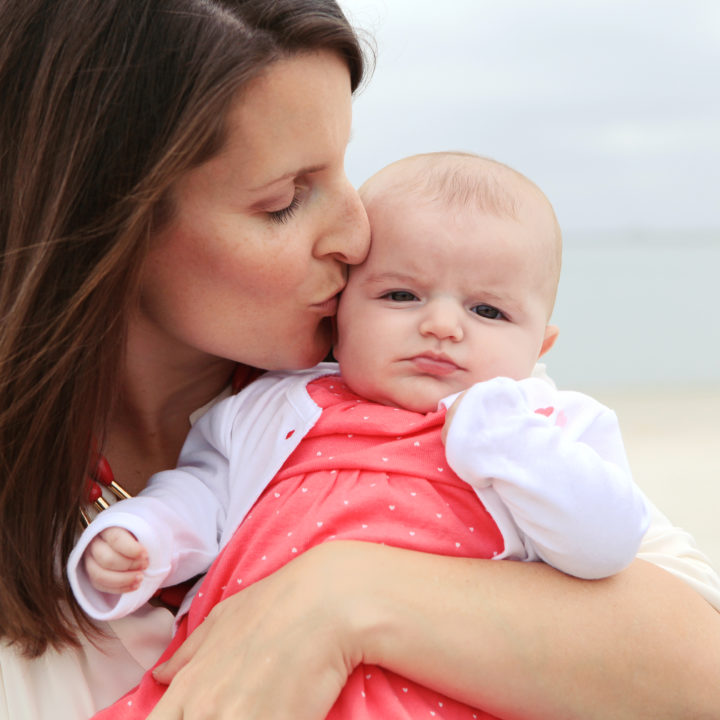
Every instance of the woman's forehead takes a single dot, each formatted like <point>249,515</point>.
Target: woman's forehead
<point>294,118</point>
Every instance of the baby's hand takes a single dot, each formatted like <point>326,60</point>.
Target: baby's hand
<point>114,561</point>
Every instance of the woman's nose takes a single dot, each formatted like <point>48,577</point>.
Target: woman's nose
<point>347,235</point>
<point>442,321</point>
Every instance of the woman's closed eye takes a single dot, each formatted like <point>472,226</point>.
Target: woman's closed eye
<point>488,311</point>
<point>284,214</point>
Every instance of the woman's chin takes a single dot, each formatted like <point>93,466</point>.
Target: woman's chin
<point>300,356</point>
<point>324,337</point>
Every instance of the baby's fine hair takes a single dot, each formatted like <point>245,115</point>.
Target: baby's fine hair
<point>463,180</point>
<point>455,178</point>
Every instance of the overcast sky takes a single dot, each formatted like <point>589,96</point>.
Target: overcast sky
<point>612,107</point>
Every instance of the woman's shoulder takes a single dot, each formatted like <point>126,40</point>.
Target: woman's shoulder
<point>675,550</point>
<point>52,685</point>
<point>75,682</point>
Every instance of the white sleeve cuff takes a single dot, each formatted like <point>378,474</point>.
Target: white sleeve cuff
<point>110,606</point>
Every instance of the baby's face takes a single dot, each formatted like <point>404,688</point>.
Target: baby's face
<point>445,299</point>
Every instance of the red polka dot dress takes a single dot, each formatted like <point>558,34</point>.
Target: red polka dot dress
<point>364,472</point>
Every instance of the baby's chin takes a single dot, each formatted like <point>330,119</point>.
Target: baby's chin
<point>416,402</point>
<point>422,407</point>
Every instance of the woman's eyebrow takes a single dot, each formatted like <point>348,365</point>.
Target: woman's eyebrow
<point>291,174</point>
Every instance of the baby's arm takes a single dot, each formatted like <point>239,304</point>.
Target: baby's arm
<point>176,519</point>
<point>114,561</point>
<point>553,465</point>
<point>178,546</point>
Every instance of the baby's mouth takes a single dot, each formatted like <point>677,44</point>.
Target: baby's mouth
<point>432,364</point>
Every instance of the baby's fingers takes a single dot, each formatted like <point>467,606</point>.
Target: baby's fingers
<point>112,581</point>
<point>126,544</point>
<point>117,549</point>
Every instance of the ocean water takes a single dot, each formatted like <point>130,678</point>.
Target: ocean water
<point>638,309</point>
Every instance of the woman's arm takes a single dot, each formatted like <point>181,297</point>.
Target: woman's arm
<point>520,640</point>
<point>525,641</point>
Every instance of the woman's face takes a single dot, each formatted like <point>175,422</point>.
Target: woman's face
<point>251,264</point>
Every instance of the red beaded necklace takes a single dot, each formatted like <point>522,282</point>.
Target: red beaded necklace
<point>102,474</point>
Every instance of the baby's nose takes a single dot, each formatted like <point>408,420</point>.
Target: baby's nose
<point>443,321</point>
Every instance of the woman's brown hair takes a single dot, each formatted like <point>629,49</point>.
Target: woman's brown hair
<point>105,103</point>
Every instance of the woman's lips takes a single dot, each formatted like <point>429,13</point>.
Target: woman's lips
<point>434,365</point>
<point>327,307</point>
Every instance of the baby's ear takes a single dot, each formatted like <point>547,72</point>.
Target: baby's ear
<point>551,333</point>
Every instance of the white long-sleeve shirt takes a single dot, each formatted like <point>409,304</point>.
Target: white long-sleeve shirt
<point>549,466</point>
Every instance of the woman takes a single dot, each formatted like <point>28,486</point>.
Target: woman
<point>173,202</point>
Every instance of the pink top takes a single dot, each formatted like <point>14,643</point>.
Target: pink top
<point>364,472</point>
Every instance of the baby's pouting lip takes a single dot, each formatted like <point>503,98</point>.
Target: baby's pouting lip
<point>431,363</point>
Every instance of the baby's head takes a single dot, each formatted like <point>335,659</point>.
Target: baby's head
<point>459,284</point>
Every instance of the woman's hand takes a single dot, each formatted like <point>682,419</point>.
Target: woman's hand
<point>280,648</point>
<point>520,640</point>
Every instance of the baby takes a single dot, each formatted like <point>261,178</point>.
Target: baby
<point>451,310</point>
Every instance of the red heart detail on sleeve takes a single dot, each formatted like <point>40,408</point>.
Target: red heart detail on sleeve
<point>547,412</point>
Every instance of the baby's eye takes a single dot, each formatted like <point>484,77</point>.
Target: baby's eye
<point>400,296</point>
<point>487,311</point>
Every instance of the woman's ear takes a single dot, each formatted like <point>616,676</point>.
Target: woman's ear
<point>551,333</point>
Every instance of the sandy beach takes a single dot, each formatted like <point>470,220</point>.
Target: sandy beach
<point>672,443</point>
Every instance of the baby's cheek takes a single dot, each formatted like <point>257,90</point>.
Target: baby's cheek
<point>356,373</point>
